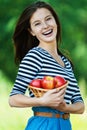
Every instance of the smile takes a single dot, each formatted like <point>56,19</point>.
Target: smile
<point>48,32</point>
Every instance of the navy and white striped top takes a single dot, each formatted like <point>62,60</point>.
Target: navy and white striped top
<point>39,63</point>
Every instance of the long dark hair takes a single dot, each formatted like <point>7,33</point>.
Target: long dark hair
<point>23,40</point>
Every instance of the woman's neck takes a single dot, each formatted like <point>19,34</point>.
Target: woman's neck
<point>51,48</point>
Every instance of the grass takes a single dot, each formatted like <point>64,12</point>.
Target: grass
<point>16,118</point>
<point>13,118</point>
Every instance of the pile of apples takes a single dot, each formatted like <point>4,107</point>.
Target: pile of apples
<point>48,82</point>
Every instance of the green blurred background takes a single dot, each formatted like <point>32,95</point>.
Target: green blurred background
<point>73,19</point>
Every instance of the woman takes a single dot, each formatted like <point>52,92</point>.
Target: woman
<point>36,38</point>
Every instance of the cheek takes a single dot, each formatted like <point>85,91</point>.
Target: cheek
<point>52,22</point>
<point>36,30</point>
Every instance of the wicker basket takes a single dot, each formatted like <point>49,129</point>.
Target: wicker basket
<point>38,92</point>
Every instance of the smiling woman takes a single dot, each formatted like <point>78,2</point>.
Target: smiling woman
<point>36,39</point>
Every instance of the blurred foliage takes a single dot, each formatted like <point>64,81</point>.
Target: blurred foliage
<point>73,19</point>
<point>9,14</point>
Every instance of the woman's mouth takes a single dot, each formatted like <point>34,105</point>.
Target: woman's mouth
<point>48,32</point>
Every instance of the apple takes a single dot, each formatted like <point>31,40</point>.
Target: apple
<point>59,81</point>
<point>47,82</point>
<point>36,83</point>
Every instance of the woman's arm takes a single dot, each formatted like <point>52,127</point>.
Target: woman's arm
<point>52,98</point>
<point>76,108</point>
<point>20,100</point>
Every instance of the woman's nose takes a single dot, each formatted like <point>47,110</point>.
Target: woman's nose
<point>45,25</point>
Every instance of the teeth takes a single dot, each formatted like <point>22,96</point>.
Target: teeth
<point>48,32</point>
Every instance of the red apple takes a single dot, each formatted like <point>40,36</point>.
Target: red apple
<point>59,81</point>
<point>36,83</point>
<point>47,82</point>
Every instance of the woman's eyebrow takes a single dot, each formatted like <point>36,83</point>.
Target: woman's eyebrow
<point>48,16</point>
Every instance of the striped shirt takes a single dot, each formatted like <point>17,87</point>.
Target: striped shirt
<point>39,63</point>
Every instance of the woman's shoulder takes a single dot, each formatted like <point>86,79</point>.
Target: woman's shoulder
<point>66,57</point>
<point>33,53</point>
<point>67,62</point>
<point>35,50</point>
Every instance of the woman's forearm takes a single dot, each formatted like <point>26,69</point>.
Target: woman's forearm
<point>76,108</point>
<point>20,100</point>
<point>49,99</point>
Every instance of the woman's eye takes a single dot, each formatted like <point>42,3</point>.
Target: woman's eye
<point>48,19</point>
<point>36,24</point>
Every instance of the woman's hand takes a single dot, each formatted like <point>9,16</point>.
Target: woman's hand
<point>62,107</point>
<point>76,108</point>
<point>53,98</point>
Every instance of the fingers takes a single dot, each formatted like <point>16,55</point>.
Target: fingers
<point>61,92</point>
<point>52,91</point>
<point>59,89</point>
<point>56,91</point>
<point>53,97</point>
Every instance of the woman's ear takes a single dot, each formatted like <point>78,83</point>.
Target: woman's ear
<point>31,32</point>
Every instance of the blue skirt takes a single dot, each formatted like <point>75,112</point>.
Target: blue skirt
<point>47,123</point>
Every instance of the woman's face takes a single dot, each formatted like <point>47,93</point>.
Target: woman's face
<point>43,25</point>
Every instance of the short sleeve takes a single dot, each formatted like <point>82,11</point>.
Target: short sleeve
<point>73,93</point>
<point>28,69</point>
<point>76,97</point>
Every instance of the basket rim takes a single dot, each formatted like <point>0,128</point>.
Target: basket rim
<point>42,89</point>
